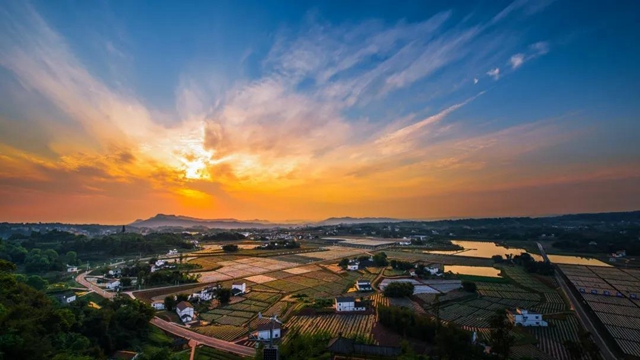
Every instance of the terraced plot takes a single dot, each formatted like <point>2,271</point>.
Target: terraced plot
<point>334,324</point>
<point>551,338</point>
<point>223,332</point>
<point>617,310</point>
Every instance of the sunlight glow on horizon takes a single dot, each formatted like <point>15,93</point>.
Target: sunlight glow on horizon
<point>430,114</point>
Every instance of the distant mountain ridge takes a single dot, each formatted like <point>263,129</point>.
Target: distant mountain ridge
<point>352,220</point>
<point>164,220</point>
<point>178,221</point>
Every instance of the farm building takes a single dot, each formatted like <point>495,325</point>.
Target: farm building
<point>238,288</point>
<point>158,305</point>
<point>113,284</point>
<point>523,317</point>
<point>264,331</point>
<point>71,268</point>
<point>66,298</point>
<point>364,285</point>
<point>353,265</point>
<point>348,303</point>
<point>185,311</point>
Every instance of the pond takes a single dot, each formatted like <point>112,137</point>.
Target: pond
<point>473,270</point>
<point>488,249</point>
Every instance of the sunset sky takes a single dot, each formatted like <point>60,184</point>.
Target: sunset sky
<point>116,110</point>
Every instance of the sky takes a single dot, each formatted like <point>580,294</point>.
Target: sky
<point>111,111</point>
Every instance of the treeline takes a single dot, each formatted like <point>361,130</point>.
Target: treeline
<point>529,264</point>
<point>399,289</point>
<point>532,266</point>
<point>18,247</point>
<point>33,326</point>
<point>224,236</point>
<point>451,342</point>
<point>37,260</point>
<point>628,243</point>
<point>160,277</point>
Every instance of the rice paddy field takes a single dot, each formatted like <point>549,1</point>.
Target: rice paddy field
<point>610,293</point>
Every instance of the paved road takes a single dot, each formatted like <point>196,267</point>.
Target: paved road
<point>176,329</point>
<point>203,339</point>
<point>582,315</point>
<point>82,281</point>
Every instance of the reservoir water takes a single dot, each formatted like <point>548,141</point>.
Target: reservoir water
<point>484,249</point>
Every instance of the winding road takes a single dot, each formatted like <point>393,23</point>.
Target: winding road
<point>580,312</point>
<point>176,329</point>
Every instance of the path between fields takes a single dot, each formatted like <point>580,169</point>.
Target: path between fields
<point>203,339</point>
<point>582,315</point>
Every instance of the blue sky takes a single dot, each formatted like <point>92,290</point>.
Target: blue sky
<point>235,104</point>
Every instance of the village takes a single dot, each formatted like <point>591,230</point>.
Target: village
<point>253,297</point>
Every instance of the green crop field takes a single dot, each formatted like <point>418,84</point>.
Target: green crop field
<point>222,332</point>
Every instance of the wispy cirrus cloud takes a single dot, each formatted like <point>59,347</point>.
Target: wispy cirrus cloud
<point>323,117</point>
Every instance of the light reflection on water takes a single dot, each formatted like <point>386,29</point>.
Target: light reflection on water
<point>488,249</point>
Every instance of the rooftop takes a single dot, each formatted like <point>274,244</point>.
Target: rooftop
<point>267,326</point>
<point>345,299</point>
<point>183,305</point>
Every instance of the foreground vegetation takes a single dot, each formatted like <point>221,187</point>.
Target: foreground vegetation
<point>34,326</point>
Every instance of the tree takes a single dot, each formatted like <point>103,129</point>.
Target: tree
<point>343,263</point>
<point>469,286</point>
<point>182,297</point>
<point>71,258</point>
<point>126,282</point>
<point>380,259</point>
<point>230,248</point>
<point>575,350</point>
<point>501,339</point>
<point>224,295</point>
<point>37,282</point>
<point>399,289</point>
<point>169,303</point>
<point>7,266</point>
<point>497,259</point>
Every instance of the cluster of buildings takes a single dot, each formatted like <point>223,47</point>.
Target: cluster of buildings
<point>162,264</point>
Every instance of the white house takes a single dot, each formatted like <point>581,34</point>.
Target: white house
<point>115,272</point>
<point>238,288</point>
<point>353,265</point>
<point>113,285</point>
<point>160,263</point>
<point>185,311</point>
<point>364,285</point>
<point>264,331</point>
<point>66,298</point>
<point>433,270</point>
<point>71,268</point>
<point>172,252</point>
<point>348,303</point>
<point>525,318</point>
<point>158,305</point>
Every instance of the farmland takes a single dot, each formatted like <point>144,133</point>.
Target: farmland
<point>609,293</point>
<point>334,324</point>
